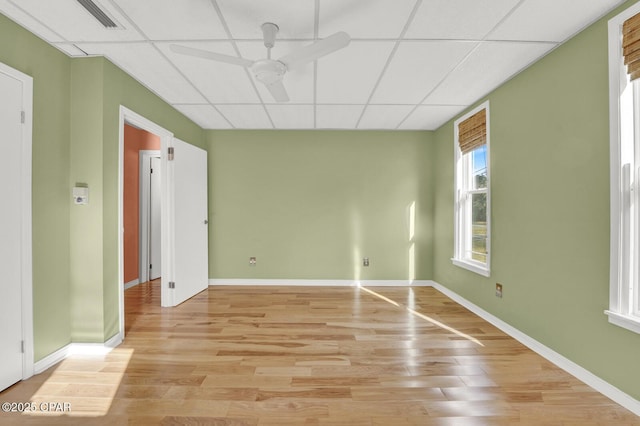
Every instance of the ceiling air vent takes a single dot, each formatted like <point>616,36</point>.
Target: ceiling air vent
<point>98,13</point>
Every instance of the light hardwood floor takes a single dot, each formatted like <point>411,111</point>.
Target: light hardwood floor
<point>311,356</point>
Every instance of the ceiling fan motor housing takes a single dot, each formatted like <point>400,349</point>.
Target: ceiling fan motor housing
<point>269,31</point>
<point>268,71</point>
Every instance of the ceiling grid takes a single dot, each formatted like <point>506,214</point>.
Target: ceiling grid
<point>410,64</point>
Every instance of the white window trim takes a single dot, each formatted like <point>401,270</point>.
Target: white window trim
<point>458,259</point>
<point>618,312</point>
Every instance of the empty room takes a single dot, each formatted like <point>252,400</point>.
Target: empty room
<point>320,212</point>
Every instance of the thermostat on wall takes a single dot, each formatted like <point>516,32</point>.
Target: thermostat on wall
<point>81,195</point>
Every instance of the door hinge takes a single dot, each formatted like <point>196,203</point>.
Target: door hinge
<point>151,170</point>
<point>151,266</point>
<point>22,346</point>
<point>22,117</point>
<point>170,153</point>
<point>172,284</point>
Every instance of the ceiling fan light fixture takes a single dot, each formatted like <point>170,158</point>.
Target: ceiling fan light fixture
<point>268,71</point>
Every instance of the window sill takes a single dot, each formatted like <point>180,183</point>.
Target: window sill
<point>629,322</point>
<point>473,267</point>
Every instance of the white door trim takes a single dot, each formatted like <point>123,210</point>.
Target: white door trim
<point>143,236</point>
<point>27,224</point>
<point>130,117</point>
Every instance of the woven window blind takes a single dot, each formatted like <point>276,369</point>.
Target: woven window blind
<point>631,46</point>
<point>472,132</point>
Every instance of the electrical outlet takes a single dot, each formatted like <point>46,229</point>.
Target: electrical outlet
<point>365,261</point>
<point>252,261</point>
<point>499,290</point>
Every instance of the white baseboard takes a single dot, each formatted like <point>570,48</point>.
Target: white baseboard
<point>114,341</point>
<point>76,349</point>
<point>328,283</point>
<point>566,364</point>
<point>132,283</point>
<point>51,359</point>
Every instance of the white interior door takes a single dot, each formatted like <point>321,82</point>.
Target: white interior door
<point>145,212</point>
<point>189,220</point>
<point>155,216</point>
<point>10,232</point>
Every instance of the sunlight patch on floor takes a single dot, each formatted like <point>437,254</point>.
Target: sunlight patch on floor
<point>424,317</point>
<point>84,384</point>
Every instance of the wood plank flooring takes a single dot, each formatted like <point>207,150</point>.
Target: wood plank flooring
<point>310,356</point>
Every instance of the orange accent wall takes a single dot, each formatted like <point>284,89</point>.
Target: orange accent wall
<point>135,140</point>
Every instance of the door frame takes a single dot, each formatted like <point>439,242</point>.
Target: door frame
<point>27,223</point>
<point>143,236</point>
<point>127,116</point>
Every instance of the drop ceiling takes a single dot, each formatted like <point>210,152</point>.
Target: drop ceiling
<point>411,64</point>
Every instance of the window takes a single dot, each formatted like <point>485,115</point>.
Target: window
<point>624,66</point>
<point>472,200</point>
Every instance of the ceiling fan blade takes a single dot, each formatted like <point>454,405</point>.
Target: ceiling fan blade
<point>278,91</point>
<point>190,51</point>
<point>316,50</point>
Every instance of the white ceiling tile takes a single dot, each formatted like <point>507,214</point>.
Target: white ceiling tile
<point>143,62</point>
<point>551,20</point>
<point>383,116</point>
<point>73,22</point>
<point>17,14</point>
<point>485,69</point>
<point>298,82</point>
<point>174,20</point>
<point>246,116</point>
<point>204,116</point>
<point>291,116</point>
<point>218,81</point>
<point>364,18</point>
<point>338,116</point>
<point>244,17</point>
<point>416,68</point>
<point>349,75</point>
<point>458,19</point>
<point>430,117</point>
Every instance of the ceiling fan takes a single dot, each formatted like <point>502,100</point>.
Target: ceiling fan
<point>271,71</point>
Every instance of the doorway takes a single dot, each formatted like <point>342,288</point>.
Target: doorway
<point>183,214</point>
<point>16,306</point>
<point>140,232</point>
<point>132,122</point>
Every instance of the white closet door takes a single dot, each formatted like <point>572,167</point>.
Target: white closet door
<point>10,231</point>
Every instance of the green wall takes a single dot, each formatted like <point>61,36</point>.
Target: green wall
<point>312,204</point>
<point>550,210</point>
<point>51,194</point>
<point>75,140</point>
<point>86,220</point>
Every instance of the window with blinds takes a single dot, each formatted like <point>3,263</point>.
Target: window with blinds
<point>631,46</point>
<point>472,132</point>
<point>624,158</point>
<point>472,222</point>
